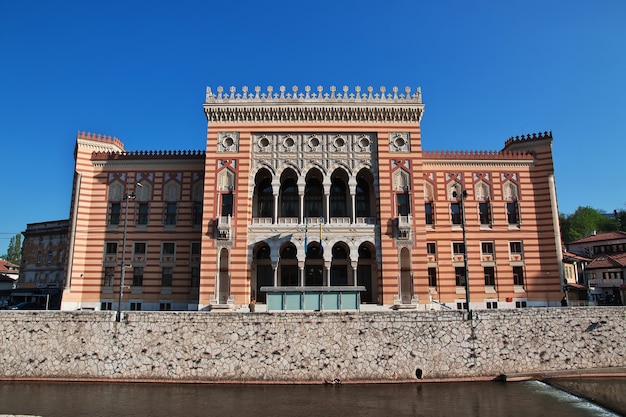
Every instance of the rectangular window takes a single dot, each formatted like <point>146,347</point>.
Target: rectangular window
<point>197,212</point>
<point>516,248</point>
<point>428,208</point>
<point>458,248</point>
<point>227,204</point>
<point>459,273</point>
<point>39,257</point>
<point>461,306</point>
<point>492,304</point>
<point>168,252</point>
<point>170,214</point>
<point>111,248</point>
<point>431,248</point>
<point>49,259</point>
<point>486,248</point>
<point>140,248</point>
<point>142,213</point>
<point>195,277</point>
<point>135,306</point>
<point>114,213</point>
<point>165,306</point>
<point>195,251</point>
<point>518,275</point>
<point>432,277</point>
<point>106,306</point>
<point>166,276</point>
<point>109,276</point>
<point>490,276</point>
<point>455,209</point>
<point>484,209</point>
<point>520,304</point>
<point>512,212</point>
<point>403,204</point>
<point>137,277</point>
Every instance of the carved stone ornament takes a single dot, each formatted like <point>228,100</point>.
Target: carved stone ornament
<point>399,142</point>
<point>228,142</point>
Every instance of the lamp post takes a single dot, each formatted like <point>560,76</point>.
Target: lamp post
<point>127,197</point>
<point>462,196</point>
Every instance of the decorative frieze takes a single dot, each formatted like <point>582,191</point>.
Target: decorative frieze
<point>346,106</point>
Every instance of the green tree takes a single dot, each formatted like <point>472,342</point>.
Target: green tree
<point>584,221</point>
<point>14,253</point>
<point>620,218</point>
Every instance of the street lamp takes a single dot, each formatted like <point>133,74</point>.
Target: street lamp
<point>127,197</point>
<point>462,196</point>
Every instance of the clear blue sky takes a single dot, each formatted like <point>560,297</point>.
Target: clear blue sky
<point>138,70</point>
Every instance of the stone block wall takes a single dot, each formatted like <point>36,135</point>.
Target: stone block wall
<point>308,347</point>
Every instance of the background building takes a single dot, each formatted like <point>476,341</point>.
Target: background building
<point>314,190</point>
<point>604,271</point>
<point>44,262</point>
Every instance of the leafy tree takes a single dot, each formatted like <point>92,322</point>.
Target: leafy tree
<point>620,218</point>
<point>584,221</point>
<point>14,253</point>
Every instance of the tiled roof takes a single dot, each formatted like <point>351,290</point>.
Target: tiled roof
<point>6,266</point>
<point>574,257</point>
<point>612,261</point>
<point>600,237</point>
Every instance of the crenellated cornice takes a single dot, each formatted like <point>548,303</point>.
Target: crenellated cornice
<point>477,158</point>
<point>148,158</point>
<point>319,106</point>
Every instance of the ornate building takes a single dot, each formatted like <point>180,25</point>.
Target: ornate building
<point>305,193</point>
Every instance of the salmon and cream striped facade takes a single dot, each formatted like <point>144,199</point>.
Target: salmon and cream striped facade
<point>314,188</point>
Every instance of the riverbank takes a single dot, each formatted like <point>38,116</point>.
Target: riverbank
<point>309,347</point>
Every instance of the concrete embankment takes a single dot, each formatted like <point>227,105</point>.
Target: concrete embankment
<point>309,347</point>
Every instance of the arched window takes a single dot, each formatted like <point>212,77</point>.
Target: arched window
<point>289,198</point>
<point>362,198</point>
<point>338,199</point>
<point>265,206</point>
<point>313,198</point>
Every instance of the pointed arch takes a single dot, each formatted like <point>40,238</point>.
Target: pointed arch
<point>263,195</point>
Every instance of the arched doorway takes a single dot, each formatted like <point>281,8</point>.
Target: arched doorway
<point>339,269</point>
<point>288,266</point>
<point>314,265</point>
<point>264,272</point>
<point>406,277</point>
<point>223,281</point>
<point>365,272</point>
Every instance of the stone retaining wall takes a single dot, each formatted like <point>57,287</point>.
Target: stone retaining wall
<point>309,347</point>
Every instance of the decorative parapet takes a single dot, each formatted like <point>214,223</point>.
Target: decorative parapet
<point>112,156</point>
<point>350,106</point>
<point>111,140</point>
<point>528,138</point>
<point>466,155</point>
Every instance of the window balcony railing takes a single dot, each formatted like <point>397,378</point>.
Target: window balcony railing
<point>404,227</point>
<point>223,228</point>
<point>601,282</point>
<point>288,220</point>
<point>340,220</point>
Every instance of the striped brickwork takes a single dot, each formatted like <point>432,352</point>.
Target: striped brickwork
<point>398,166</point>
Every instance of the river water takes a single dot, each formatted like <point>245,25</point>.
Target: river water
<point>484,399</point>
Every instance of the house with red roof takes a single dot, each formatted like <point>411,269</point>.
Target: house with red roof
<point>9,273</point>
<point>604,275</point>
